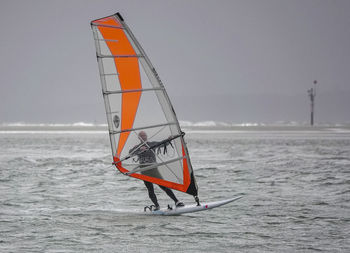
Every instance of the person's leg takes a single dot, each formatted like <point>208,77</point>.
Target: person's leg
<point>169,192</point>
<point>151,193</point>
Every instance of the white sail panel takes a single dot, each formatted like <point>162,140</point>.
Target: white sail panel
<point>138,105</point>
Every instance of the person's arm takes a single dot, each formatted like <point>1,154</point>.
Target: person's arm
<point>138,149</point>
<point>157,143</point>
<point>152,143</point>
<point>133,149</point>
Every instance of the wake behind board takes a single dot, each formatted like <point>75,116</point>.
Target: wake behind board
<point>193,208</point>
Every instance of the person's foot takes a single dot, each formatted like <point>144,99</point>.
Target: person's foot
<point>156,208</point>
<point>179,204</point>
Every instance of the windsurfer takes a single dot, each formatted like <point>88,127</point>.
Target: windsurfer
<point>146,155</point>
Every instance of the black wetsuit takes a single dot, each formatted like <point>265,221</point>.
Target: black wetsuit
<point>146,157</point>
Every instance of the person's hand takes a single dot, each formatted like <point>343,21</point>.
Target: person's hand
<point>143,148</point>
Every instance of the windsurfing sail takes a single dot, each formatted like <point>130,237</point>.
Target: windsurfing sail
<point>136,102</point>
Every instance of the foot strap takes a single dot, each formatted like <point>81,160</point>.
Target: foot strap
<point>150,208</point>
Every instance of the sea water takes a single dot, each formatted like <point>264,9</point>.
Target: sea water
<point>60,193</point>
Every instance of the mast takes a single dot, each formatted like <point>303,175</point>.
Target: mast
<point>312,95</point>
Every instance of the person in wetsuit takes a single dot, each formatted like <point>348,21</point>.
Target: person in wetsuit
<point>146,156</point>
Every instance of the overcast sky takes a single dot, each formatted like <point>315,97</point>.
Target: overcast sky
<point>233,61</point>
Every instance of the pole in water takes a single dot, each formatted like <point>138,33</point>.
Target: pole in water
<point>312,95</point>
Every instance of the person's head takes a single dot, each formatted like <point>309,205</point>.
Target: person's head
<point>143,136</point>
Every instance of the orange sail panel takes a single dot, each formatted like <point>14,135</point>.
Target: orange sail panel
<point>129,75</point>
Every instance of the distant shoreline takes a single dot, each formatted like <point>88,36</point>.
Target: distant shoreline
<point>104,128</point>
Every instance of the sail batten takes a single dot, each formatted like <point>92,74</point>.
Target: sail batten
<point>139,169</point>
<point>110,74</point>
<point>138,90</point>
<point>107,40</point>
<point>143,127</point>
<point>108,26</point>
<point>136,102</point>
<point>119,56</point>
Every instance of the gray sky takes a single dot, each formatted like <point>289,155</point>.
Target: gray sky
<point>233,61</point>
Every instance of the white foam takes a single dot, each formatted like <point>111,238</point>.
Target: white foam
<point>183,123</point>
<point>76,124</point>
<point>52,132</point>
